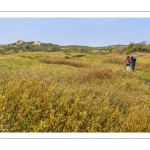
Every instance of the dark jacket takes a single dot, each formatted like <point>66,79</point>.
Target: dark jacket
<point>133,60</point>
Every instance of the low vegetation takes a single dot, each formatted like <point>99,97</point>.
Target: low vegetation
<point>73,92</point>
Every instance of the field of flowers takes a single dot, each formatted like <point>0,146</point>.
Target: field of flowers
<point>73,92</point>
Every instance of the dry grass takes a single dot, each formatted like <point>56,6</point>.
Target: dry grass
<point>64,62</point>
<point>79,55</point>
<point>92,98</point>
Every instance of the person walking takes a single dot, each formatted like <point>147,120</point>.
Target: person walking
<point>127,61</point>
<point>133,61</point>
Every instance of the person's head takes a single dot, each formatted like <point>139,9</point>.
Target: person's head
<point>128,56</point>
<point>134,56</point>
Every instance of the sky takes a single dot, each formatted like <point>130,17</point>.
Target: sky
<point>65,31</point>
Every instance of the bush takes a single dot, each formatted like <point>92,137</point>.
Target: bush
<point>55,48</point>
<point>130,48</point>
<point>139,47</point>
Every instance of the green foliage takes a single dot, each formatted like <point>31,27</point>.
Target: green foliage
<point>49,47</point>
<point>130,48</point>
<point>110,50</point>
<point>55,48</point>
<point>142,47</point>
<point>138,47</point>
<point>27,47</point>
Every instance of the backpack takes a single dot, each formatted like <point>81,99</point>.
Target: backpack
<point>127,61</point>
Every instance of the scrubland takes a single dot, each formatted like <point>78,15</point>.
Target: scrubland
<point>73,92</point>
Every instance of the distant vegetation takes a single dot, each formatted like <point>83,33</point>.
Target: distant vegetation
<point>49,47</point>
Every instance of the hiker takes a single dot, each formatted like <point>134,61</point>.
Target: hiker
<point>131,58</point>
<point>127,61</point>
<point>133,61</point>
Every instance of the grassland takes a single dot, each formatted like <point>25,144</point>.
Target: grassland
<point>73,92</point>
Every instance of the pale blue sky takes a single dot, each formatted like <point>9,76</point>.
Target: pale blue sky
<point>75,31</point>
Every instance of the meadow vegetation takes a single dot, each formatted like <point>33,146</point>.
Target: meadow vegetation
<point>74,92</point>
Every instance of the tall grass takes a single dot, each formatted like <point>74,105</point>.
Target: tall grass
<point>100,97</point>
<point>63,62</point>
